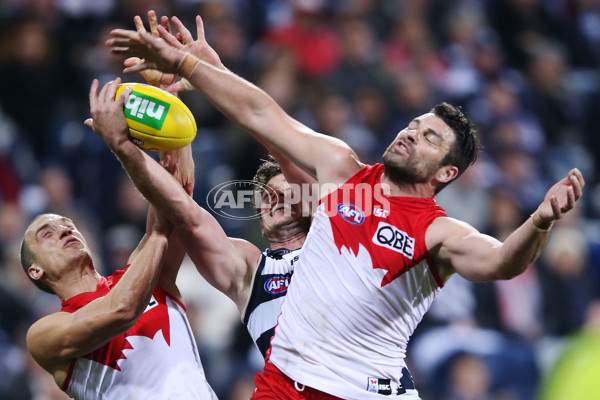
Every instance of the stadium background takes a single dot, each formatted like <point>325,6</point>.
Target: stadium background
<point>526,71</point>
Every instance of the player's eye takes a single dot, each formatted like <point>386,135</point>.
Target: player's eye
<point>433,138</point>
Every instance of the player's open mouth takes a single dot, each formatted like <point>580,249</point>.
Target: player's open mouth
<point>403,147</point>
<point>70,241</point>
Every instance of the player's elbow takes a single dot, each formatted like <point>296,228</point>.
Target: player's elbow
<point>507,271</point>
<point>126,311</point>
<point>193,221</point>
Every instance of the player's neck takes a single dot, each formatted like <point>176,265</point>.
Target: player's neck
<point>290,243</point>
<point>83,279</point>
<point>421,190</point>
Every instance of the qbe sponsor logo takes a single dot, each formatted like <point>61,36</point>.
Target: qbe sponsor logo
<point>277,284</point>
<point>392,238</point>
<point>146,110</point>
<point>351,213</point>
<point>379,385</point>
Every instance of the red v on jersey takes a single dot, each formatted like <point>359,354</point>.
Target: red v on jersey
<point>393,233</point>
<point>154,319</point>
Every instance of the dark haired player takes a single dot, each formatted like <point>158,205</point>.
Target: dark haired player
<point>369,271</point>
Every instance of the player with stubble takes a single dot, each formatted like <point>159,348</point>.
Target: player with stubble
<point>355,299</point>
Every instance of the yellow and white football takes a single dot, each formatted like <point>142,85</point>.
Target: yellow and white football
<point>157,120</point>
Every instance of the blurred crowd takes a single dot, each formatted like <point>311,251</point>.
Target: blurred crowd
<point>527,72</point>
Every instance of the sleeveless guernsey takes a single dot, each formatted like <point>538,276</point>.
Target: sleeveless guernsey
<point>269,288</point>
<point>362,285</point>
<point>156,359</point>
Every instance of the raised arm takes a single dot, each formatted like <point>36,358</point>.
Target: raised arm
<point>62,336</point>
<point>325,158</point>
<point>226,264</point>
<point>200,48</point>
<point>458,247</point>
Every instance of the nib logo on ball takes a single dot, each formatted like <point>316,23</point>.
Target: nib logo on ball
<point>157,120</point>
<point>146,110</point>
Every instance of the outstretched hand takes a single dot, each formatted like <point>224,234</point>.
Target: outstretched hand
<point>161,53</point>
<point>152,76</point>
<point>561,197</point>
<point>128,43</point>
<point>108,120</point>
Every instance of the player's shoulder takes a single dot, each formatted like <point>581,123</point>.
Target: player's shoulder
<point>341,166</point>
<point>444,228</point>
<point>39,329</point>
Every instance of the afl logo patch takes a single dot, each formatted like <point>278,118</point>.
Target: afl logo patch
<point>277,284</point>
<point>351,213</point>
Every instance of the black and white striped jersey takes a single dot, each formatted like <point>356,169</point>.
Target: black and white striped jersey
<point>269,288</point>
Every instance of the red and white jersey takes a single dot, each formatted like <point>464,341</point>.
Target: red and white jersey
<point>362,285</point>
<point>156,359</point>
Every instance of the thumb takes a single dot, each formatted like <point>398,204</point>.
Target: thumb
<point>132,61</point>
<point>179,86</point>
<point>90,123</point>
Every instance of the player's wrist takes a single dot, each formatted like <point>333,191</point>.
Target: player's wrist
<point>539,224</point>
<point>187,66</point>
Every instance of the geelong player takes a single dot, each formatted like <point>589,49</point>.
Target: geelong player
<point>372,265</point>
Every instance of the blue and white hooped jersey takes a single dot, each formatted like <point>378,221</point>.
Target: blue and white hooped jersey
<point>269,288</point>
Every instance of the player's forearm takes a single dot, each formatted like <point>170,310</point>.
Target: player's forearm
<point>154,182</point>
<point>252,108</point>
<point>130,296</point>
<point>521,249</point>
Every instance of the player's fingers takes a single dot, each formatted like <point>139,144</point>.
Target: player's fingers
<point>570,199</point>
<point>575,172</point>
<point>185,33</point>
<point>137,68</point>
<point>164,22</point>
<point>555,207</point>
<point>153,20</point>
<point>123,96</point>
<point>132,61</point>
<point>577,189</point>
<point>139,24</point>
<point>200,28</point>
<point>169,38</point>
<point>94,95</point>
<point>102,94</point>
<point>111,90</point>
<point>125,34</point>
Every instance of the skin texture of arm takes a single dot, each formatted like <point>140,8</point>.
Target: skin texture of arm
<point>59,337</point>
<point>200,48</point>
<point>226,264</point>
<point>457,247</point>
<point>327,159</point>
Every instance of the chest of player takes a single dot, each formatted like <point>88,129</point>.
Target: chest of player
<point>391,232</point>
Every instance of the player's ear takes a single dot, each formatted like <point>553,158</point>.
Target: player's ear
<point>446,173</point>
<point>35,272</point>
<point>262,229</point>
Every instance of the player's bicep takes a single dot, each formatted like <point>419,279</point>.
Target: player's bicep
<point>464,250</point>
<point>313,152</point>
<point>63,336</point>
<point>217,259</point>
